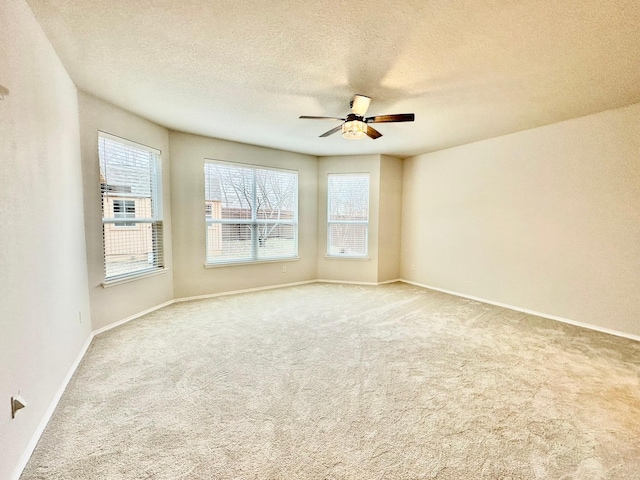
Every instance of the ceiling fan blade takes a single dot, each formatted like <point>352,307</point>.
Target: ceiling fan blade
<point>360,104</point>
<point>308,117</point>
<point>332,131</point>
<point>372,132</point>
<point>398,117</point>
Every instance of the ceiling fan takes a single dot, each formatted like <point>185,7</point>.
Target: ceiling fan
<point>355,125</point>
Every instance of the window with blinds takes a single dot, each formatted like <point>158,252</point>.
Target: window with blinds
<point>251,213</point>
<point>131,207</point>
<point>347,214</point>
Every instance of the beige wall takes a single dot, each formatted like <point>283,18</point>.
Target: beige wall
<point>385,203</point>
<point>43,279</point>
<point>191,278</point>
<point>109,305</point>
<point>546,219</point>
<point>343,269</point>
<point>390,218</point>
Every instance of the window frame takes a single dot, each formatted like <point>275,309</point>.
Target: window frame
<point>155,219</point>
<point>330,222</point>
<point>124,214</point>
<point>254,221</point>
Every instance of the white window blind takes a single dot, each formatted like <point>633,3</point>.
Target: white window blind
<point>348,215</point>
<point>251,213</point>
<point>130,188</point>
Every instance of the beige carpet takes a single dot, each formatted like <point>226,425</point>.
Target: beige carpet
<point>347,382</point>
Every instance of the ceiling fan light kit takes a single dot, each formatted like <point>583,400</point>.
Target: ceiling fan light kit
<point>354,130</point>
<point>355,126</point>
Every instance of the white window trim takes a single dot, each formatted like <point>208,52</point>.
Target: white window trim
<point>345,256</point>
<point>132,278</point>
<point>255,221</point>
<point>348,257</point>
<point>157,218</point>
<point>256,262</point>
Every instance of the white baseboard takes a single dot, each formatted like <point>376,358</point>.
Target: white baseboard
<point>588,326</point>
<point>244,290</point>
<point>348,282</point>
<point>345,282</point>
<point>24,458</point>
<point>132,317</point>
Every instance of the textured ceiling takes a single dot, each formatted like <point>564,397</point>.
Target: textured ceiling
<point>245,70</point>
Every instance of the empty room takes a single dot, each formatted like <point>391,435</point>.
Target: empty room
<point>258,240</point>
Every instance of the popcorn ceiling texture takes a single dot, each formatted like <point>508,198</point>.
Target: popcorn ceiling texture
<point>245,71</point>
<point>347,382</point>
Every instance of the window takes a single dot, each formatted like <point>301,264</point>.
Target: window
<point>124,209</point>
<point>348,215</point>
<point>251,213</point>
<point>130,188</point>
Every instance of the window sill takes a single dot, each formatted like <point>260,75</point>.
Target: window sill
<point>250,262</point>
<point>133,278</point>
<point>345,257</point>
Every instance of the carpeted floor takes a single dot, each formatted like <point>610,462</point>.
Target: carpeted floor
<point>347,382</point>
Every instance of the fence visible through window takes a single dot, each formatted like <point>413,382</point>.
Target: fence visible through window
<point>251,213</point>
<point>347,215</point>
<point>131,207</point>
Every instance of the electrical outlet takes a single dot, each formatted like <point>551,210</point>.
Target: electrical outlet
<point>284,269</point>
<point>413,267</point>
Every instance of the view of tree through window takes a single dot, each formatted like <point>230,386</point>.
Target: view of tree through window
<point>251,213</point>
<point>348,215</point>
<point>130,189</point>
